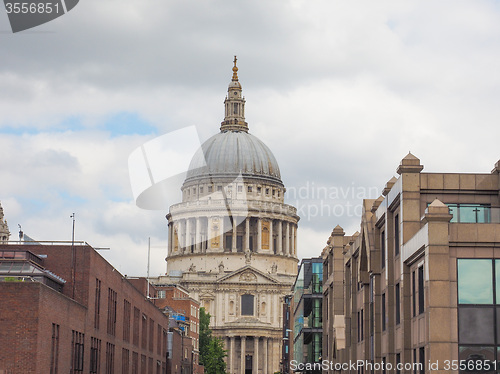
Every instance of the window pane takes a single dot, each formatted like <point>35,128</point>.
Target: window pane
<point>468,213</point>
<point>498,327</point>
<point>475,354</point>
<point>454,212</point>
<point>475,281</point>
<point>475,325</point>
<point>497,274</point>
<point>247,305</point>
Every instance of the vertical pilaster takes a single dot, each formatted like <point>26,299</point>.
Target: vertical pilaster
<point>243,354</point>
<point>198,236</point>
<point>259,235</point>
<point>265,348</point>
<point>441,331</point>
<point>280,238</point>
<point>287,239</point>
<point>187,240</point>
<point>231,355</point>
<point>182,235</point>
<point>247,234</point>
<point>271,356</point>
<point>255,355</point>
<point>235,233</point>
<point>170,235</point>
<point>271,241</point>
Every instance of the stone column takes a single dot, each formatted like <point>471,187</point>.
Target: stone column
<point>187,241</point>
<point>270,355</point>
<point>255,355</point>
<point>265,348</point>
<point>180,235</point>
<point>287,239</point>
<point>198,236</point>
<point>243,354</point>
<point>295,240</point>
<point>441,332</point>
<point>259,235</point>
<point>247,234</point>
<point>271,241</point>
<point>235,233</point>
<point>281,250</point>
<point>170,242</point>
<point>231,355</point>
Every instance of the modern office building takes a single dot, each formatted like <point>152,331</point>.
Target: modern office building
<point>418,287</point>
<point>307,313</point>
<point>286,349</point>
<point>233,240</point>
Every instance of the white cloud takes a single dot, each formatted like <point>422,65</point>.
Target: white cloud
<point>340,91</point>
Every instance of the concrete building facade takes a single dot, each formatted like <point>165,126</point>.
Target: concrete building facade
<point>233,240</point>
<point>417,288</point>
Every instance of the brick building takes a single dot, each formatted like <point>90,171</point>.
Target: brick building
<point>56,318</point>
<point>183,308</point>
<point>419,285</point>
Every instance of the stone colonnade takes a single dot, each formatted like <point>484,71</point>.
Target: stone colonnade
<point>260,349</point>
<point>192,236</point>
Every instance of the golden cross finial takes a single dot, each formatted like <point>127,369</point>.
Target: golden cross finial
<point>235,70</point>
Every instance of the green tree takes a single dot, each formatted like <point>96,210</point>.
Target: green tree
<point>212,350</point>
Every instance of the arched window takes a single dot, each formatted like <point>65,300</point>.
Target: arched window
<point>247,305</point>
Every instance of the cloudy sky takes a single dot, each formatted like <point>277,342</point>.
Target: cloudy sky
<point>340,91</point>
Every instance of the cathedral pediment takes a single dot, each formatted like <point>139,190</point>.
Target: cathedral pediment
<point>247,275</point>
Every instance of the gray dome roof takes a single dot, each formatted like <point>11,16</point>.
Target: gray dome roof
<point>230,152</point>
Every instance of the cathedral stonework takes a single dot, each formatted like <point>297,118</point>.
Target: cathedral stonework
<point>4,228</point>
<point>233,240</point>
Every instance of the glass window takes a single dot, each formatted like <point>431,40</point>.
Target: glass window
<point>498,327</point>
<point>382,249</point>
<point>497,275</point>
<point>475,281</point>
<point>396,235</point>
<point>475,325</point>
<point>421,354</point>
<point>470,213</point>
<point>421,289</point>
<point>397,305</point>
<point>453,208</point>
<point>247,305</point>
<point>476,353</point>
<point>383,312</point>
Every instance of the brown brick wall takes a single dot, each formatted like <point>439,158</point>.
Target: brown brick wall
<point>26,326</point>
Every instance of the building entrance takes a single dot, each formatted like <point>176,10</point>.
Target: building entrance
<point>248,364</point>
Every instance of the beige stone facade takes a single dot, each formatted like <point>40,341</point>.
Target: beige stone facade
<point>4,228</point>
<point>233,241</point>
<point>419,282</point>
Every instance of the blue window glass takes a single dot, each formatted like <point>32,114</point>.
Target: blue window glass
<point>475,281</point>
<point>497,280</point>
